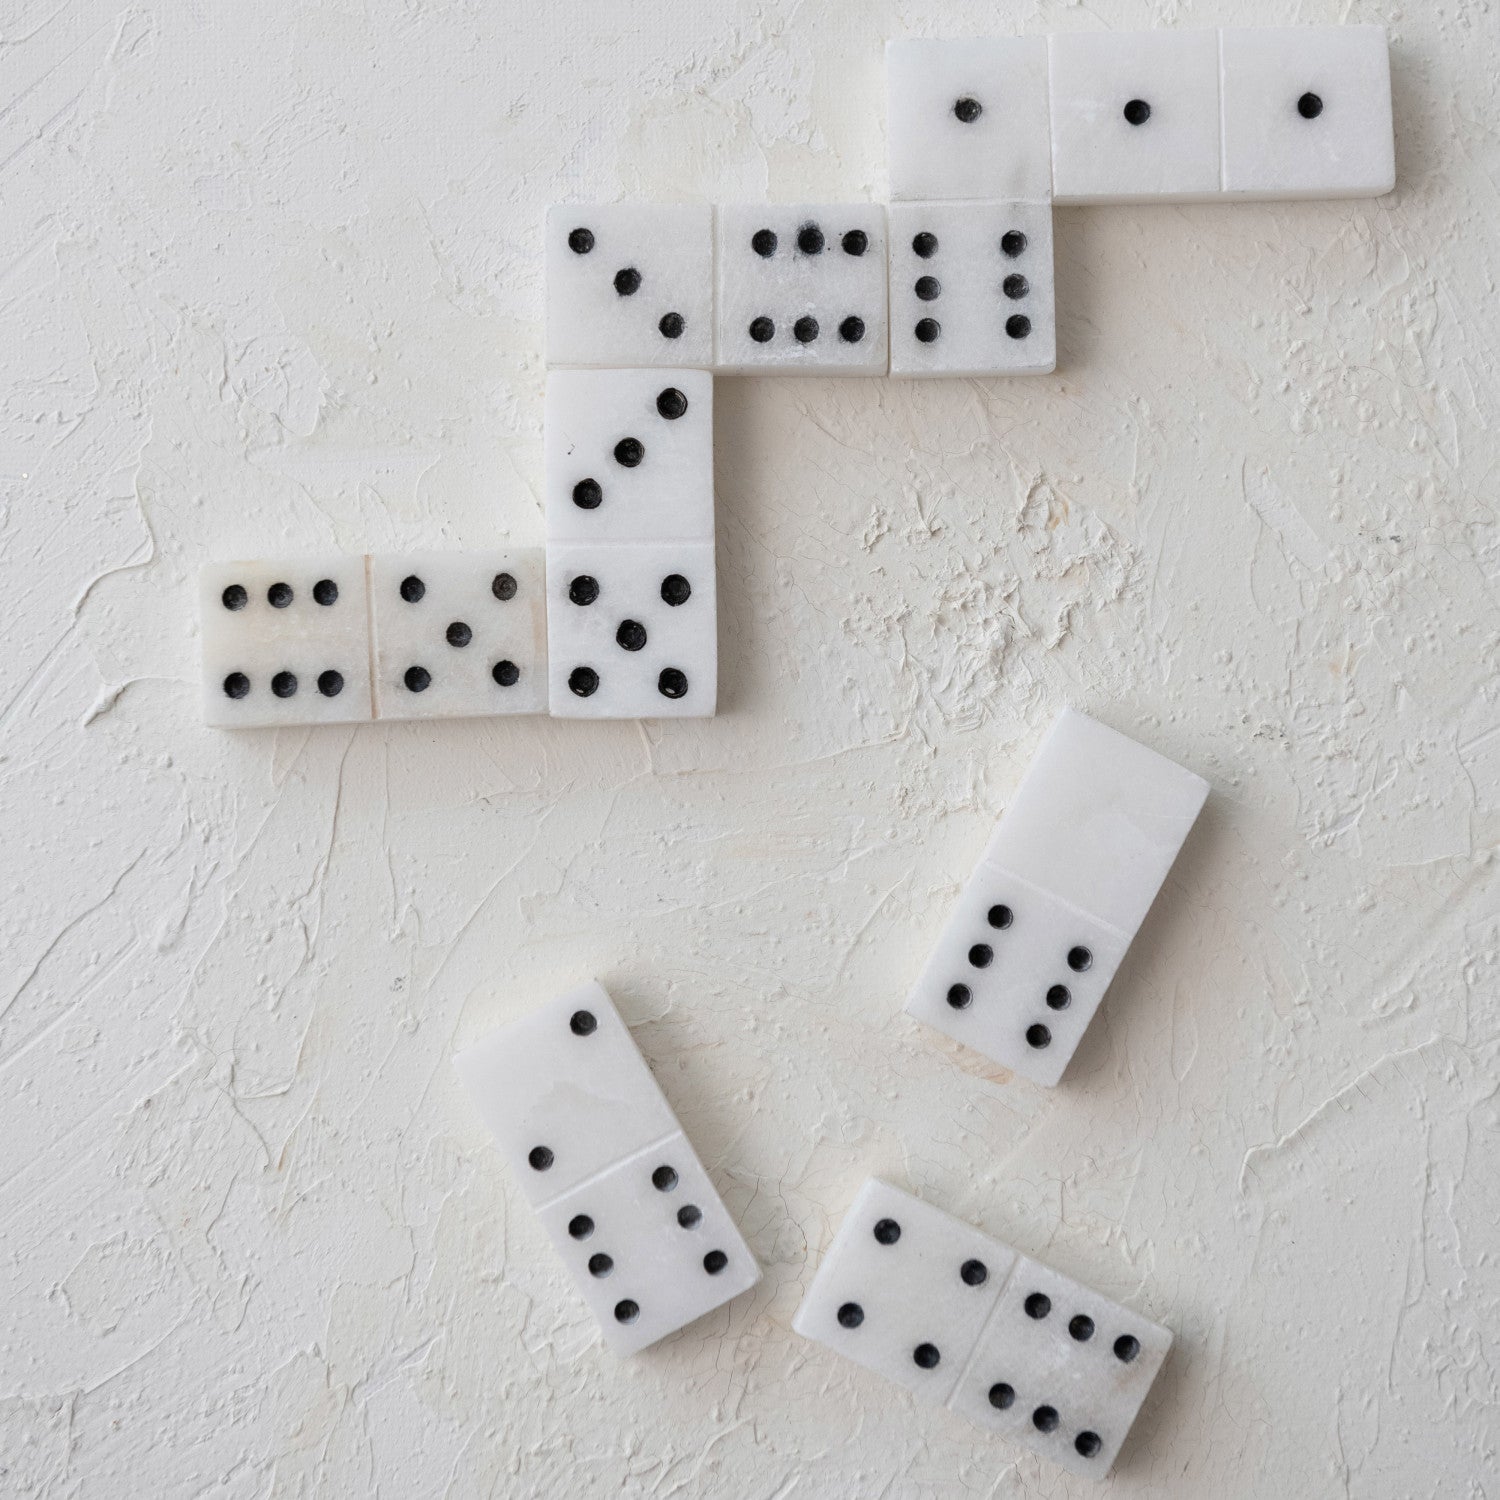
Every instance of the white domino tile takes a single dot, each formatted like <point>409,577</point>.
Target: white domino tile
<point>1306,112</point>
<point>598,1152</point>
<point>565,1092</point>
<point>967,118</point>
<point>904,1290</point>
<point>650,1245</point>
<point>1060,1369</point>
<point>960,1319</point>
<point>1064,884</point>
<point>1135,116</point>
<point>632,630</point>
<point>802,289</point>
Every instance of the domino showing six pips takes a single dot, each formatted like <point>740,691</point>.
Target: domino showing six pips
<point>617,619</point>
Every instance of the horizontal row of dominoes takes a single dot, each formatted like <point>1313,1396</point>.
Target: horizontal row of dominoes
<point>905,1290</point>
<point>1172,115</point>
<point>631,633</point>
<point>811,289</point>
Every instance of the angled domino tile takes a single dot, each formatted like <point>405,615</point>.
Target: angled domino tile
<point>960,1319</point>
<point>1063,886</point>
<point>972,289</point>
<point>630,284</point>
<point>285,641</point>
<point>1306,112</point>
<point>599,1154</point>
<point>459,634</point>
<point>1135,116</point>
<point>629,455</point>
<point>801,289</point>
<point>968,118</point>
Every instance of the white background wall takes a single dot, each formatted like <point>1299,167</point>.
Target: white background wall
<point>270,282</point>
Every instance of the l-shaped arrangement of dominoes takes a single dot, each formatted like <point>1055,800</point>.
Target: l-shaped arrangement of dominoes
<point>617,619</point>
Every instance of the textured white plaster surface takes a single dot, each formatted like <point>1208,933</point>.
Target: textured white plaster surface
<point>270,280</point>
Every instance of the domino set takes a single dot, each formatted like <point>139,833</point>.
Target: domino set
<point>646,302</point>
<point>617,619</point>
<point>905,1290</point>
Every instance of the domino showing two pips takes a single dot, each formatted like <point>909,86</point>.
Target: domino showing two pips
<point>905,1290</point>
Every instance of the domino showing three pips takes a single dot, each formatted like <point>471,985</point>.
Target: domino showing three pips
<point>955,277</point>
<point>906,1290</point>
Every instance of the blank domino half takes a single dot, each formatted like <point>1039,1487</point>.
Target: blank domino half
<point>1069,875</point>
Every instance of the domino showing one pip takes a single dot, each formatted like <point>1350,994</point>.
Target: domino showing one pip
<point>1305,112</point>
<point>598,1153</point>
<point>1190,116</point>
<point>964,1321</point>
<point>1065,883</point>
